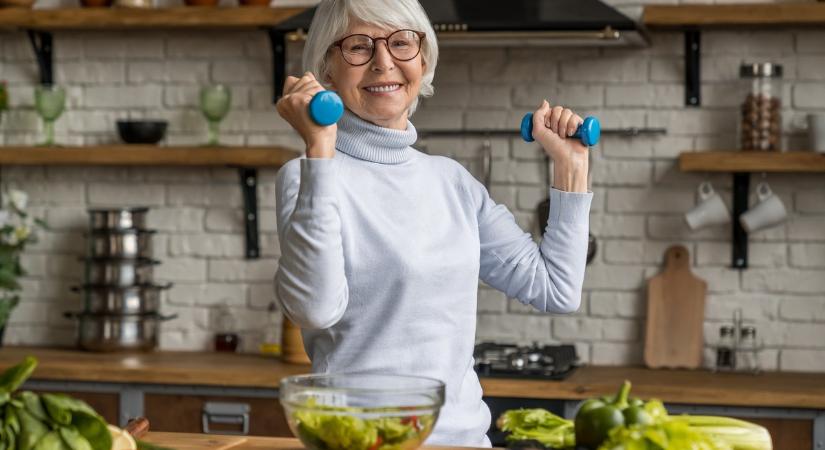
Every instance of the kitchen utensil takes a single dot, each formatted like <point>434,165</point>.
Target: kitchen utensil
<point>767,212</point>
<point>214,99</point>
<point>592,247</point>
<point>49,102</point>
<point>120,272</point>
<point>675,314</point>
<point>139,299</point>
<point>292,343</point>
<point>711,209</point>
<point>118,218</point>
<point>137,427</point>
<point>141,131</point>
<point>409,405</point>
<point>543,208</point>
<point>106,333</point>
<point>588,132</point>
<point>120,243</point>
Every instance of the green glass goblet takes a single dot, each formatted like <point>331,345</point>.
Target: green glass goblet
<point>215,102</point>
<point>49,101</point>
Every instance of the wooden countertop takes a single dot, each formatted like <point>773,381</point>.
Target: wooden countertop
<point>777,389</point>
<point>185,441</point>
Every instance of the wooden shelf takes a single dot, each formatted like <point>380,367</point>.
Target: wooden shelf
<point>123,18</point>
<point>146,155</point>
<point>735,15</point>
<point>740,161</point>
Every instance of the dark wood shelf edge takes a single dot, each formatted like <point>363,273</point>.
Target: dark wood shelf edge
<point>186,17</point>
<point>734,15</point>
<point>738,161</point>
<point>147,155</point>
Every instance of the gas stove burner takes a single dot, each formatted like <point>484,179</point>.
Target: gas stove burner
<point>537,361</point>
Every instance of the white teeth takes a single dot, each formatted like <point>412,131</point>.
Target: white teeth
<point>389,88</point>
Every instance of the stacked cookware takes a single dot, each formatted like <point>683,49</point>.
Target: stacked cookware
<point>120,299</point>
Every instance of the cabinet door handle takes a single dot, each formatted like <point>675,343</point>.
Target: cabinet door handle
<point>225,413</point>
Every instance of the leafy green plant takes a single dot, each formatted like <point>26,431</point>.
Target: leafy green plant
<point>17,230</point>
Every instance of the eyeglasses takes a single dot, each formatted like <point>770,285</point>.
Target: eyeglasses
<point>358,49</point>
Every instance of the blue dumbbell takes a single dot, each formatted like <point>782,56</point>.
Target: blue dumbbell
<point>589,131</point>
<point>326,108</point>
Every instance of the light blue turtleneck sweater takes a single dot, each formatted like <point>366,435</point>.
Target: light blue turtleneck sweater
<point>382,248</point>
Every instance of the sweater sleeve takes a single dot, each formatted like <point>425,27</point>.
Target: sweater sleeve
<point>549,276</point>
<point>310,283</point>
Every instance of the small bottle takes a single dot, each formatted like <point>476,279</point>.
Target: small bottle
<point>748,349</point>
<point>725,350</point>
<point>271,344</point>
<point>226,340</point>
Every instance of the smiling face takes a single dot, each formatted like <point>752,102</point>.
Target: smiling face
<point>382,90</point>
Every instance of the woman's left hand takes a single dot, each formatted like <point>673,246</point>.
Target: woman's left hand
<point>553,128</point>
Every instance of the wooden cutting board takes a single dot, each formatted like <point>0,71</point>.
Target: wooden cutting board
<point>195,441</point>
<point>675,314</point>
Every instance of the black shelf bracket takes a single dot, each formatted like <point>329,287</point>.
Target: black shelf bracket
<point>249,189</point>
<point>277,41</point>
<point>693,74</point>
<point>741,187</point>
<point>42,44</point>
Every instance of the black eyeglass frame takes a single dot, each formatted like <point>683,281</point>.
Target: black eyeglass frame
<point>421,35</point>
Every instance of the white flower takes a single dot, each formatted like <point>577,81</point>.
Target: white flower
<point>4,218</point>
<point>22,233</point>
<point>11,239</point>
<point>19,199</point>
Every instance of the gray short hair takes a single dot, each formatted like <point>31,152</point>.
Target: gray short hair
<point>331,21</point>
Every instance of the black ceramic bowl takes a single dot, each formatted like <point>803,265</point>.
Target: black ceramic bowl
<point>141,131</point>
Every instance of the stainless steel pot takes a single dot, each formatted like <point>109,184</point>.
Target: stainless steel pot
<point>108,333</point>
<point>119,272</point>
<point>141,299</point>
<point>118,218</point>
<point>129,243</point>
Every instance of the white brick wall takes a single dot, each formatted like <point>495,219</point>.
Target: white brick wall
<point>640,194</point>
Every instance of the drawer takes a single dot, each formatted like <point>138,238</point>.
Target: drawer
<point>107,404</point>
<point>186,414</point>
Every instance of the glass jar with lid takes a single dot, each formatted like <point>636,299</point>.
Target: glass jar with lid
<point>760,128</point>
<point>726,349</point>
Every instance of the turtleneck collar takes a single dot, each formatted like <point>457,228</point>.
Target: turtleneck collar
<point>364,140</point>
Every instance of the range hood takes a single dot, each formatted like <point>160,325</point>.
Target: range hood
<point>519,23</point>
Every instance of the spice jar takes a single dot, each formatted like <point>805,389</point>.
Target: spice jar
<point>749,349</point>
<point>761,125</point>
<point>726,349</point>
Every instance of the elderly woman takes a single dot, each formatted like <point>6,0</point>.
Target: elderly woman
<point>382,245</point>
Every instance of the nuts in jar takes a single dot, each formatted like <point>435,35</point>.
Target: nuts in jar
<point>761,111</point>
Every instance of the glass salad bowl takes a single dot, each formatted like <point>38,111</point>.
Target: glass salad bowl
<point>361,411</point>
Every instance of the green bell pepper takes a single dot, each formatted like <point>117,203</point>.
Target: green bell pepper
<point>596,418</point>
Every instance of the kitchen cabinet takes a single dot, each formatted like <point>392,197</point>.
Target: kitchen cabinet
<point>105,403</point>
<point>186,414</point>
<point>787,433</point>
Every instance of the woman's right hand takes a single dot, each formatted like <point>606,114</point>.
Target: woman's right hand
<point>293,106</point>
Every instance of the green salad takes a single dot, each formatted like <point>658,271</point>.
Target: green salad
<point>322,430</point>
